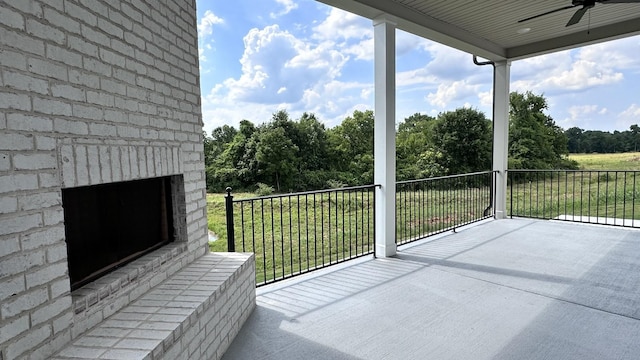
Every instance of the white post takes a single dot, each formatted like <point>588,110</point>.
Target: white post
<point>501,134</point>
<point>385,134</point>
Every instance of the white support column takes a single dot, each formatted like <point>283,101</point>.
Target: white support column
<point>501,74</point>
<point>385,134</point>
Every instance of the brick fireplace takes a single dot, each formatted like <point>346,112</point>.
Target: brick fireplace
<point>108,226</point>
<point>103,229</point>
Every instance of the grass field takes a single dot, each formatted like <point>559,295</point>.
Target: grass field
<point>294,234</point>
<point>622,161</point>
<point>585,194</point>
<point>606,188</point>
<point>216,220</point>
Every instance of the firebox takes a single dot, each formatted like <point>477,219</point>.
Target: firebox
<point>110,225</point>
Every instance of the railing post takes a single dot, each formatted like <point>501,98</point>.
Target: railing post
<point>231,245</point>
<point>491,209</point>
<point>510,180</point>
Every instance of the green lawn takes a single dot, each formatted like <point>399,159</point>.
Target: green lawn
<point>216,220</point>
<point>293,234</point>
<point>611,194</point>
<point>605,191</point>
<point>622,161</point>
<point>420,212</point>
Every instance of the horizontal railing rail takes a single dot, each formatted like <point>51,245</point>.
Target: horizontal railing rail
<point>292,234</point>
<point>586,196</point>
<point>431,206</point>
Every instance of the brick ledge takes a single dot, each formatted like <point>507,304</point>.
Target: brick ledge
<point>109,286</point>
<point>196,313</point>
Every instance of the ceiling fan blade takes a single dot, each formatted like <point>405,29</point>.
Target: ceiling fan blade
<point>578,16</point>
<point>548,12</point>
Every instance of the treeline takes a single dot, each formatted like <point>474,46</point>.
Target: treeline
<point>285,155</point>
<point>594,141</point>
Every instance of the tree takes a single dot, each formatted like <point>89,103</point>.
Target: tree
<point>463,137</point>
<point>575,140</point>
<point>235,165</point>
<point>635,131</point>
<point>596,141</point>
<point>351,147</point>
<point>414,148</point>
<point>312,141</point>
<point>208,149</point>
<point>276,155</point>
<point>220,137</point>
<point>535,141</point>
<point>214,146</point>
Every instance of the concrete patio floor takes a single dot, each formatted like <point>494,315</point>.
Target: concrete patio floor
<point>509,289</point>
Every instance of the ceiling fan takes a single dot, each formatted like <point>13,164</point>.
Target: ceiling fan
<point>586,5</point>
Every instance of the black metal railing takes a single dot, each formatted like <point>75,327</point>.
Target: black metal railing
<point>292,234</point>
<point>431,206</point>
<point>598,197</point>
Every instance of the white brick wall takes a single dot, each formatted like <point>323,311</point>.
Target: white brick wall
<point>90,92</point>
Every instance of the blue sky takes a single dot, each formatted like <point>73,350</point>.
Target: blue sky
<point>257,57</point>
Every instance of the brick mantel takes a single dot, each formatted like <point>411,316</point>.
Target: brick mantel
<point>92,162</point>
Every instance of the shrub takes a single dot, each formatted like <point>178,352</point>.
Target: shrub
<point>264,189</point>
<point>335,184</point>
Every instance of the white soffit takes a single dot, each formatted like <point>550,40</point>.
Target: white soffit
<point>490,28</point>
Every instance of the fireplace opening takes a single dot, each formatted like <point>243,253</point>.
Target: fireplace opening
<point>109,225</point>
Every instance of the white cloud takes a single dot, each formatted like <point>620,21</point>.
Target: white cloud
<point>452,91</point>
<point>407,43</point>
<point>218,111</point>
<point>280,70</point>
<point>583,74</point>
<point>577,70</point>
<point>331,103</point>
<point>630,116</point>
<point>417,77</point>
<point>351,34</point>
<point>448,76</point>
<point>274,59</point>
<point>321,66</point>
<point>343,25</point>
<point>452,64</point>
<point>288,6</point>
<point>335,99</point>
<point>205,26</point>
<point>366,93</point>
<point>620,54</point>
<point>601,75</point>
<point>362,50</point>
<point>577,111</point>
<point>205,30</point>
<point>582,116</point>
<point>486,99</point>
<point>540,66</point>
<point>354,36</point>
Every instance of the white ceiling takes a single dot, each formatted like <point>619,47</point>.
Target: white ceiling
<point>489,28</point>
